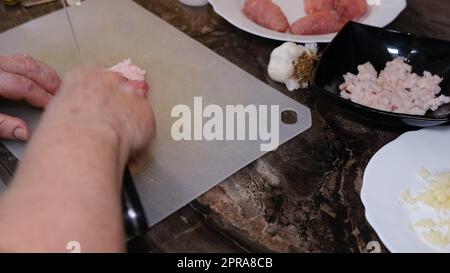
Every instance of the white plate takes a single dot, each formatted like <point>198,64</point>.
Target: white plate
<point>393,170</point>
<point>378,15</point>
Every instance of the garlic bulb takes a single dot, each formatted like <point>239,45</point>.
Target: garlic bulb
<point>283,61</point>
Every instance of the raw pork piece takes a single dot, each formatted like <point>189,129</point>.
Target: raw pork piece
<point>317,23</point>
<point>267,14</point>
<point>313,6</point>
<point>396,89</point>
<point>349,10</point>
<point>133,74</point>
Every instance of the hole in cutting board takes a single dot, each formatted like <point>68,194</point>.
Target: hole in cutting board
<point>289,117</point>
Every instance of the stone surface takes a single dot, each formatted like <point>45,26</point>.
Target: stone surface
<point>304,197</point>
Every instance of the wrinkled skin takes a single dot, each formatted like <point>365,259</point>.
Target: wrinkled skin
<point>24,78</point>
<point>70,176</point>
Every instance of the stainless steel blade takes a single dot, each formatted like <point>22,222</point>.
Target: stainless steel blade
<point>66,4</point>
<point>32,3</point>
<point>2,186</point>
<point>5,177</point>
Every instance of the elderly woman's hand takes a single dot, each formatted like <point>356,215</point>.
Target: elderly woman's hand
<point>71,172</point>
<point>24,78</point>
<point>100,103</point>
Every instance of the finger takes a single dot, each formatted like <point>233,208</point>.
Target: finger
<point>15,87</point>
<point>42,74</point>
<point>125,87</point>
<point>141,86</point>
<point>138,162</point>
<point>13,128</point>
<point>91,74</point>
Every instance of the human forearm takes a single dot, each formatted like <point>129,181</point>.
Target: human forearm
<point>68,185</point>
<point>67,174</point>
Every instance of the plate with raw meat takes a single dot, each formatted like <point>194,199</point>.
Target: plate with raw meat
<point>305,21</point>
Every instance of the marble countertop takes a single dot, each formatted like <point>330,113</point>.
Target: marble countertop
<point>304,197</point>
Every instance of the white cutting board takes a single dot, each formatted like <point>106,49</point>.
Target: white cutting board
<point>179,68</point>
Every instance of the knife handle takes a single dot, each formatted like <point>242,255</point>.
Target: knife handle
<point>134,217</point>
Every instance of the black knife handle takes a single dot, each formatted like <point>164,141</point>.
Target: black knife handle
<point>134,217</point>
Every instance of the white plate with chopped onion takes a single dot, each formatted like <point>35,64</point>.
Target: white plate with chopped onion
<point>409,212</point>
<point>379,13</point>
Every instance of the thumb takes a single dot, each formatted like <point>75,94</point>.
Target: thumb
<point>13,128</point>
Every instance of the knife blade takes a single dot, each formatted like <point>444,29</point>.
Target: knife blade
<point>66,4</point>
<point>5,177</point>
<point>5,173</point>
<point>32,3</point>
<point>2,187</point>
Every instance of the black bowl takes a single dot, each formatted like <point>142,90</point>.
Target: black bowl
<point>357,44</point>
